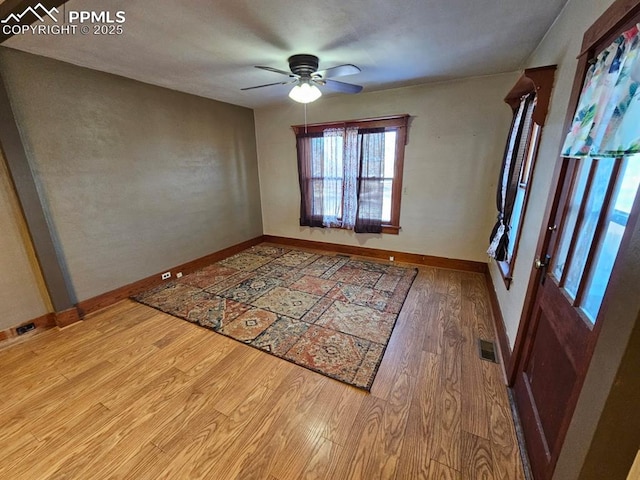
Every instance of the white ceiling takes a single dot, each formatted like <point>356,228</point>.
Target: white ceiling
<point>209,47</point>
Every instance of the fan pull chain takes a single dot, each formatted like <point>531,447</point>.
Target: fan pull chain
<point>305,118</point>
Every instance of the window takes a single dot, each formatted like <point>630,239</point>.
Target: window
<point>529,100</point>
<point>598,209</point>
<point>522,189</point>
<point>351,174</point>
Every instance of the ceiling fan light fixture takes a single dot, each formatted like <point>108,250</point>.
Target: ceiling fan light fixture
<point>305,93</point>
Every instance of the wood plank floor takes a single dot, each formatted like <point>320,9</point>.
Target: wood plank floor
<point>132,393</point>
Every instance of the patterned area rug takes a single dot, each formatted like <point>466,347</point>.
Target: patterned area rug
<point>331,314</point>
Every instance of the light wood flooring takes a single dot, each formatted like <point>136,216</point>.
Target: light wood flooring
<point>134,393</point>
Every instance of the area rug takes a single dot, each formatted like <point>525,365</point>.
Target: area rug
<point>331,314</point>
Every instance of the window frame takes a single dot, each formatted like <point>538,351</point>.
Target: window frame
<point>539,81</point>
<point>397,123</point>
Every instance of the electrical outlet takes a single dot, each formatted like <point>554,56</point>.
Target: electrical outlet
<point>391,259</point>
<point>21,330</point>
<point>179,275</point>
<point>166,275</point>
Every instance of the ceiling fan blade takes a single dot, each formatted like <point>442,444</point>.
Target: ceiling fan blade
<point>269,85</point>
<point>342,87</point>
<point>275,70</point>
<point>339,71</point>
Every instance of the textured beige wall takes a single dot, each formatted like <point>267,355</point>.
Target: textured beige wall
<point>560,46</point>
<point>136,178</point>
<point>21,297</point>
<point>456,141</point>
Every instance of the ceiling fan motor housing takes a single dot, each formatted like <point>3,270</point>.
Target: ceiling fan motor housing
<point>304,73</point>
<point>303,65</point>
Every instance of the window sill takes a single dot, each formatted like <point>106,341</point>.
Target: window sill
<point>505,271</point>
<point>388,229</point>
<point>391,229</point>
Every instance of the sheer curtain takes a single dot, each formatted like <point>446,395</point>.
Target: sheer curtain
<point>310,164</point>
<point>331,171</point>
<point>371,183</point>
<point>510,175</point>
<point>350,181</point>
<point>341,172</point>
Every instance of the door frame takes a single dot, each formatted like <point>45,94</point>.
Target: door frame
<point>603,31</point>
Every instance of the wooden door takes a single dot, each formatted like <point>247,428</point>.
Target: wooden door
<point>592,210</point>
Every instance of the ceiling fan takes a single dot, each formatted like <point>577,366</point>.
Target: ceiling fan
<point>306,78</point>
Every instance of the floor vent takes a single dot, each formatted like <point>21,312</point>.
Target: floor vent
<point>342,255</point>
<point>487,350</point>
